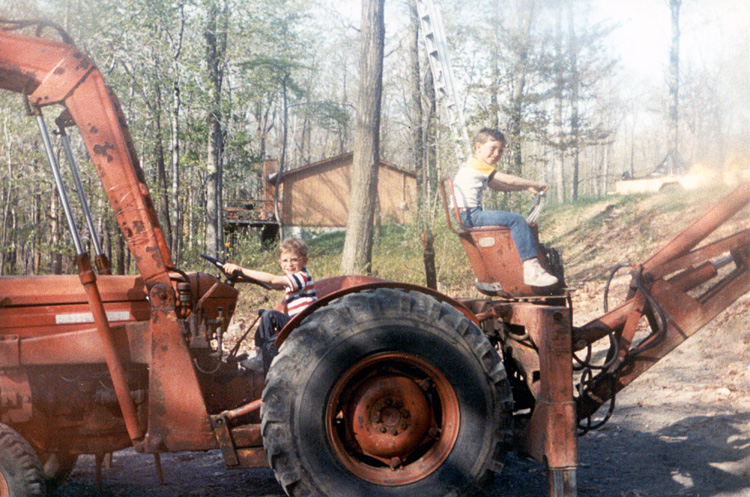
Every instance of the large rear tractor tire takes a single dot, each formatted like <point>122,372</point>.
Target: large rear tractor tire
<point>21,473</point>
<point>386,393</point>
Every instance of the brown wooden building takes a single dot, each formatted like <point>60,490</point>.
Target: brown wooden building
<point>318,194</point>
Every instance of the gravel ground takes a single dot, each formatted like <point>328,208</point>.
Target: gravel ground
<point>681,429</point>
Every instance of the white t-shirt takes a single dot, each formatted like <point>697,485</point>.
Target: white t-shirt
<point>470,181</point>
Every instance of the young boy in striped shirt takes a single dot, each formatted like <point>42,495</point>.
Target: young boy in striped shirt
<point>300,293</point>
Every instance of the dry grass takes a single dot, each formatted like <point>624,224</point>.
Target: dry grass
<point>595,235</point>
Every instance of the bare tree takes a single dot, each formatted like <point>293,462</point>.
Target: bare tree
<point>216,42</point>
<point>174,145</point>
<point>574,99</point>
<point>559,93</point>
<point>674,82</point>
<point>357,254</point>
<point>415,110</point>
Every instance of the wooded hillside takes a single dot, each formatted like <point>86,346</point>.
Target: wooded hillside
<point>211,87</point>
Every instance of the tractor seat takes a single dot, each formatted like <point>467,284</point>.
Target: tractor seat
<point>492,253</point>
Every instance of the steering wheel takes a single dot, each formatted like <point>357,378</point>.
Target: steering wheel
<point>533,214</point>
<point>235,277</point>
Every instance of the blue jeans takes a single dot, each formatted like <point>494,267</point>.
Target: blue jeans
<point>519,228</point>
<point>271,322</point>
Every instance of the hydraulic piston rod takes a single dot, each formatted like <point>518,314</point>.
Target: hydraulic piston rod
<point>88,279</point>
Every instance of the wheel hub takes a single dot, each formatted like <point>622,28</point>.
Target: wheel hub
<point>391,417</point>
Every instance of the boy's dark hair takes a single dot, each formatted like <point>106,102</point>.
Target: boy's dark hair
<point>293,245</point>
<point>487,134</point>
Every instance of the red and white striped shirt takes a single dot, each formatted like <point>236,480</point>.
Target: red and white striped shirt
<point>300,292</point>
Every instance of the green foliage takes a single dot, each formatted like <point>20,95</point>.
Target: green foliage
<point>594,233</point>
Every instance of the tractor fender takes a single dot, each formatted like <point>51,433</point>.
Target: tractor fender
<point>330,289</point>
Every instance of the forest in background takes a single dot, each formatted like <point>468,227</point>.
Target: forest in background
<point>211,87</point>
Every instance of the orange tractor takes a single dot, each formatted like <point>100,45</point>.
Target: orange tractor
<point>381,388</point>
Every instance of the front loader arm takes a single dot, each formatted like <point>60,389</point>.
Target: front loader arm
<point>49,72</point>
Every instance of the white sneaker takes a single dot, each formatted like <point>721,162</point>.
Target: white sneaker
<point>535,275</point>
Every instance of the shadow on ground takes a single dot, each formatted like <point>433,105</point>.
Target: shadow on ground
<point>701,456</point>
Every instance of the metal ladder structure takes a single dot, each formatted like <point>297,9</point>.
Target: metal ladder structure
<point>433,34</point>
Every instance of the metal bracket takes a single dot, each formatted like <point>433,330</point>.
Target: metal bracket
<point>224,438</point>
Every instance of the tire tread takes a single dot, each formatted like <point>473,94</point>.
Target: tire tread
<point>16,451</point>
<point>336,317</point>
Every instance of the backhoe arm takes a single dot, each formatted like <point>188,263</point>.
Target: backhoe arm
<point>678,290</point>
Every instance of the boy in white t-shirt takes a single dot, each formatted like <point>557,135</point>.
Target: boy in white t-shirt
<point>469,185</point>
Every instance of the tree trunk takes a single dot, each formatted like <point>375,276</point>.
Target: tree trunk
<point>573,83</point>
<point>122,265</point>
<point>282,161</point>
<point>175,171</point>
<point>559,102</point>
<point>605,170</point>
<point>56,262</point>
<point>161,172</point>
<point>495,67</point>
<point>357,256</point>
<point>519,89</point>
<point>215,43</point>
<point>7,202</point>
<point>674,84</point>
<point>174,145</point>
<point>416,115</point>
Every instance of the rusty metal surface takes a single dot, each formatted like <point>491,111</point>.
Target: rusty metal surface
<point>4,490</point>
<point>234,440</point>
<point>97,431</point>
<point>551,433</point>
<point>697,232</point>
<point>15,397</point>
<point>46,305</point>
<point>247,436</point>
<point>109,348</point>
<point>132,342</point>
<point>390,417</point>
<point>10,350</point>
<point>220,424</point>
<point>675,292</point>
<point>492,253</point>
<point>243,410</point>
<point>252,458</point>
<point>177,417</point>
